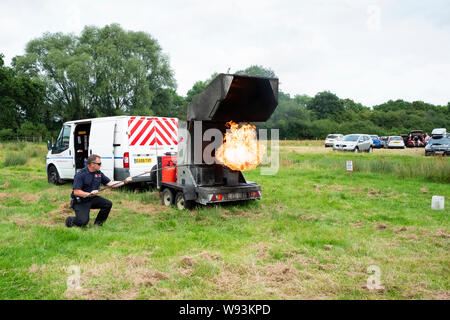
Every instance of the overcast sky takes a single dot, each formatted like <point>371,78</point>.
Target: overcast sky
<point>370,51</point>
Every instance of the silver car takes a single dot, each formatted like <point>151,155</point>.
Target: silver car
<point>355,143</point>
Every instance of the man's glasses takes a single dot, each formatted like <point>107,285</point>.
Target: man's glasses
<point>98,163</point>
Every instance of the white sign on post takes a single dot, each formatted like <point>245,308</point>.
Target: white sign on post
<point>349,165</point>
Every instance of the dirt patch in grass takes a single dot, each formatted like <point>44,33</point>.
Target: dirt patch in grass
<point>136,261</point>
<point>5,185</point>
<point>262,250</point>
<point>281,280</point>
<point>187,261</point>
<point>304,217</point>
<point>146,208</point>
<point>380,226</point>
<point>29,197</point>
<point>208,256</point>
<point>410,236</point>
<point>442,234</point>
<point>227,214</point>
<point>25,197</point>
<point>37,269</point>
<point>373,193</point>
<point>105,280</point>
<point>280,272</point>
<point>357,224</point>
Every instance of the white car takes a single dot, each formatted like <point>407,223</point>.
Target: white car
<point>395,142</point>
<point>355,143</point>
<point>332,138</point>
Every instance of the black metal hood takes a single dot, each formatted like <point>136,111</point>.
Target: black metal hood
<point>235,97</point>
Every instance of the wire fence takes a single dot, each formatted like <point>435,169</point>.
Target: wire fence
<point>22,139</point>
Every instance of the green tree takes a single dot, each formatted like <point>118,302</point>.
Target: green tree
<point>257,71</point>
<point>325,105</point>
<point>103,72</point>
<point>21,98</point>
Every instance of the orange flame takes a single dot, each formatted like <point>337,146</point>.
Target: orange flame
<point>240,149</point>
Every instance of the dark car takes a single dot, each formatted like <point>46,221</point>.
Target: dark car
<point>438,145</point>
<point>384,141</point>
<point>405,138</point>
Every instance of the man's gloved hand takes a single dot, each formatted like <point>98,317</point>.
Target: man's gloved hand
<point>128,180</point>
<point>93,193</point>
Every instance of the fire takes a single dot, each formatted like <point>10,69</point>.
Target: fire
<point>240,149</point>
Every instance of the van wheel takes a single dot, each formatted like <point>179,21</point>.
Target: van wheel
<point>53,176</point>
<point>183,204</point>
<point>356,150</point>
<point>370,150</point>
<point>167,197</point>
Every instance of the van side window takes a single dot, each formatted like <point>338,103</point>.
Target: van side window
<point>62,143</point>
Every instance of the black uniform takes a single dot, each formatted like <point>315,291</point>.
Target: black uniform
<point>88,181</point>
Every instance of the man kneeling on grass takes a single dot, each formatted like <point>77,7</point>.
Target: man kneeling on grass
<point>84,194</point>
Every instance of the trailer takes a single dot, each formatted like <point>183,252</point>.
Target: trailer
<point>187,178</point>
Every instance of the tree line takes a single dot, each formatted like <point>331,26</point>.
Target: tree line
<point>110,71</point>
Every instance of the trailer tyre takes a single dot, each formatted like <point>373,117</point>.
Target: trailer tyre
<point>167,197</point>
<point>53,176</point>
<point>183,204</point>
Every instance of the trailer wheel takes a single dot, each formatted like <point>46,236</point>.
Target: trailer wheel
<point>183,204</point>
<point>167,197</point>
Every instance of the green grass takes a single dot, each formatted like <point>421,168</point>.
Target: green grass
<point>313,235</point>
<point>14,159</point>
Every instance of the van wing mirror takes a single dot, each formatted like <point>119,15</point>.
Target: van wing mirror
<point>49,145</point>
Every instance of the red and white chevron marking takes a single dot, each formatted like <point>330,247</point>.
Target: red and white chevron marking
<point>145,131</point>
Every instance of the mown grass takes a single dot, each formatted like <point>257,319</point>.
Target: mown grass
<point>313,235</point>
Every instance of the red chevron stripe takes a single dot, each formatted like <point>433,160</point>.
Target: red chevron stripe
<point>167,122</point>
<point>175,122</point>
<point>140,133</point>
<point>165,130</point>
<point>160,135</point>
<point>130,121</point>
<point>148,137</point>
<point>136,127</point>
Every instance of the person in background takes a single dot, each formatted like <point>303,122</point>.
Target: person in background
<point>427,138</point>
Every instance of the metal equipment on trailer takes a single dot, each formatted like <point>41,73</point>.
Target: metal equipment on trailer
<point>185,179</point>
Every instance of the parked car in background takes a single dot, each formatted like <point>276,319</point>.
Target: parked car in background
<point>395,142</point>
<point>405,138</point>
<point>332,138</point>
<point>355,143</point>
<point>376,142</point>
<point>384,141</point>
<point>438,132</point>
<point>416,139</point>
<point>438,145</point>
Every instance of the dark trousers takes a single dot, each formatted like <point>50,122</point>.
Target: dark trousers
<point>82,210</point>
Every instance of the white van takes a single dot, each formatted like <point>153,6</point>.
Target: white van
<point>128,146</point>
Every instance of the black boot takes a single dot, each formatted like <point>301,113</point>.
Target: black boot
<point>98,223</point>
<point>69,222</point>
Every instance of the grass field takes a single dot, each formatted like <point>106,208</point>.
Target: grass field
<point>314,234</point>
